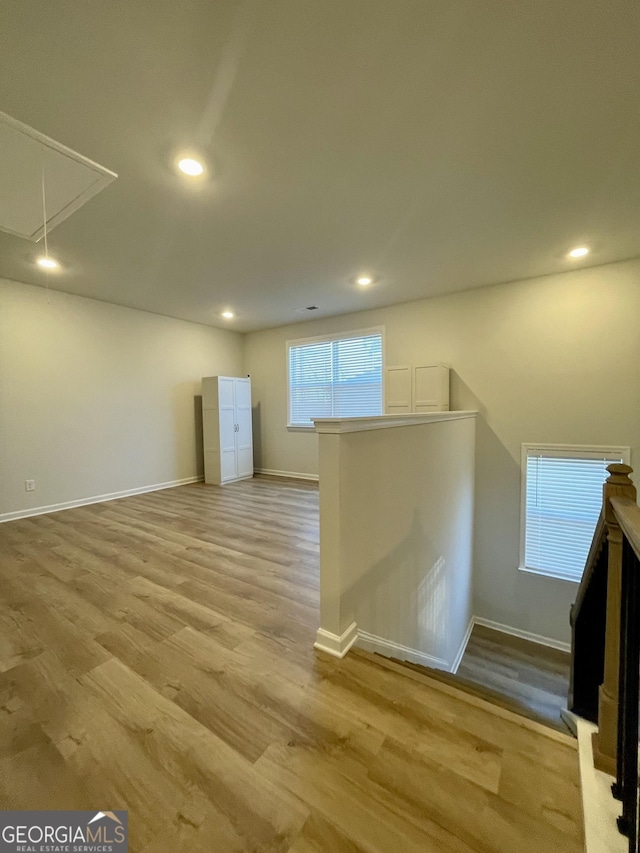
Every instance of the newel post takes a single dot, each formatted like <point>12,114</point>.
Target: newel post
<point>605,740</point>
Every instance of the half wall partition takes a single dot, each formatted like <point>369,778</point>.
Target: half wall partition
<point>396,533</point>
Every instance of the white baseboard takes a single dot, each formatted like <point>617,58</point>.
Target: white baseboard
<point>96,499</point>
<point>463,647</point>
<point>371,643</point>
<point>335,645</point>
<point>524,635</point>
<point>339,646</point>
<point>291,475</point>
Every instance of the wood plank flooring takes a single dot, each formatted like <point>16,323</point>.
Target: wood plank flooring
<point>534,676</point>
<point>156,656</point>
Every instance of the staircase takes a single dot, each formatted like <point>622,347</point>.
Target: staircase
<point>475,688</point>
<point>468,691</point>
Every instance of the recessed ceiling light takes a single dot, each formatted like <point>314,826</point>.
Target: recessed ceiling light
<point>47,263</point>
<point>190,166</point>
<point>364,280</point>
<point>228,315</point>
<point>580,252</point>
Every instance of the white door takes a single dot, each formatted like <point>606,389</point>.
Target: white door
<point>244,436</point>
<point>228,455</point>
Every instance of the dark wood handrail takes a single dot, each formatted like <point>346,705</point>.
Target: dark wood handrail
<point>597,544</point>
<point>627,514</point>
<point>588,623</point>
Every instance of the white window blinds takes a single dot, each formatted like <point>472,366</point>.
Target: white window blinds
<point>563,499</point>
<point>339,377</point>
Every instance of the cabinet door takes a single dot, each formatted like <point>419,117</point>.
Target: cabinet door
<point>228,460</point>
<point>431,389</point>
<point>397,390</point>
<point>244,435</point>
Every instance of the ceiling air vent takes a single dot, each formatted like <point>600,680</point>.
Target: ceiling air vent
<point>70,180</point>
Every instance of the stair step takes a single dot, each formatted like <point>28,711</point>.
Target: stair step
<point>475,689</point>
<point>471,688</point>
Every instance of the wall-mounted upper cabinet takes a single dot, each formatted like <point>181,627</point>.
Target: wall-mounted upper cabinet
<point>431,388</point>
<point>397,390</point>
<point>418,389</point>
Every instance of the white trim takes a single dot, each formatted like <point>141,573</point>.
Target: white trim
<point>524,635</point>
<point>291,475</point>
<point>594,451</point>
<point>372,643</point>
<point>340,425</point>
<point>96,499</point>
<point>599,807</point>
<point>463,646</point>
<point>570,720</point>
<point>389,649</point>
<point>334,645</point>
<point>548,573</point>
<point>337,336</point>
<point>339,646</point>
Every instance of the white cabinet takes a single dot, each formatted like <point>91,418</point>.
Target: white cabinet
<point>431,388</point>
<point>226,429</point>
<point>397,390</point>
<point>421,389</point>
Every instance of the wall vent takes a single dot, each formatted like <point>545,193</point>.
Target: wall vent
<point>70,179</point>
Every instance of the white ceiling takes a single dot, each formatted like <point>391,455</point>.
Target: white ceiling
<point>438,144</point>
<point>41,179</point>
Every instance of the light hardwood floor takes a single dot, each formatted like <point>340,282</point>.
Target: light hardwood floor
<point>156,656</point>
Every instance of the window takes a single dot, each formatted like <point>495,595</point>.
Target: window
<point>561,502</point>
<point>336,376</point>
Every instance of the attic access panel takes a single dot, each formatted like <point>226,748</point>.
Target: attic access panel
<point>70,179</point>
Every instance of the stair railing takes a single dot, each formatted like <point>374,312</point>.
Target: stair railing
<point>588,628</point>
<point>605,740</point>
<point>625,788</point>
<point>605,622</point>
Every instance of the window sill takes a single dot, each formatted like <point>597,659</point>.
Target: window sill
<point>548,574</point>
<point>300,428</point>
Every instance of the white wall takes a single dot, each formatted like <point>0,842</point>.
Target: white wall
<point>553,359</point>
<point>396,529</point>
<point>97,399</point>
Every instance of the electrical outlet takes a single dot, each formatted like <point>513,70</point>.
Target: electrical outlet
<point>30,485</point>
